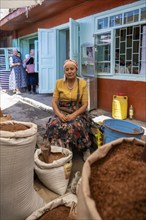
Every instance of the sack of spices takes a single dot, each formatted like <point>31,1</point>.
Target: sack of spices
<point>113,182</point>
<point>62,208</point>
<point>18,199</point>
<point>55,174</point>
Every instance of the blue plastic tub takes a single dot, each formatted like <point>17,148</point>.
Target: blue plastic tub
<point>114,129</point>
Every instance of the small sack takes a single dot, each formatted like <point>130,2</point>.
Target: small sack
<point>69,200</point>
<point>30,68</point>
<point>55,176</point>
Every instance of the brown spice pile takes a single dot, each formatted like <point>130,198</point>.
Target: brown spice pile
<point>52,157</point>
<point>59,213</point>
<point>13,127</point>
<point>118,184</point>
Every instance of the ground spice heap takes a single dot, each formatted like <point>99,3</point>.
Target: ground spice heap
<point>118,184</point>
<point>59,213</point>
<point>13,127</point>
<point>52,157</point>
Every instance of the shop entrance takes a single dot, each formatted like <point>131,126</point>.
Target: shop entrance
<point>63,49</point>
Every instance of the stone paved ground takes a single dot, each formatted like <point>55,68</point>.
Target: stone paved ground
<point>33,108</point>
<point>37,108</point>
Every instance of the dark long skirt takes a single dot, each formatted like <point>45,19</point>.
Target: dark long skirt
<point>32,79</point>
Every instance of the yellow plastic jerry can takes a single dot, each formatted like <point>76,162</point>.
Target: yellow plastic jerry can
<point>119,106</point>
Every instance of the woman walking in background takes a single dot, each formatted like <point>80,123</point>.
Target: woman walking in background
<point>32,76</point>
<point>17,78</point>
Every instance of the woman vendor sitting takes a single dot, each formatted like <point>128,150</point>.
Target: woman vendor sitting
<point>69,127</point>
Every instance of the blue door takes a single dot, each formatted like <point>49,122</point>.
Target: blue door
<point>36,58</point>
<point>47,60</point>
<point>24,47</point>
<point>74,40</point>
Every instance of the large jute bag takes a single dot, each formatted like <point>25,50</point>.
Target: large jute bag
<point>18,199</point>
<point>67,200</point>
<point>86,207</point>
<point>55,176</point>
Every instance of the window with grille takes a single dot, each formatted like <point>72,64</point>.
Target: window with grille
<point>128,49</point>
<point>102,53</point>
<point>5,54</point>
<point>120,43</point>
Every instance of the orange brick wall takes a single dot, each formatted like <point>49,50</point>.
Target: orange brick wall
<point>136,92</point>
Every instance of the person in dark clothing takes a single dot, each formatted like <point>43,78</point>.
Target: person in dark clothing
<point>32,78</point>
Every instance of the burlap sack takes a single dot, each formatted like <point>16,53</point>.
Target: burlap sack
<point>55,175</point>
<point>18,198</point>
<point>67,200</point>
<point>86,208</point>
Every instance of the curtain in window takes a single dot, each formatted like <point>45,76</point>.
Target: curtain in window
<point>143,52</point>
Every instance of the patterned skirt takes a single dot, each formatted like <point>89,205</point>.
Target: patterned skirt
<point>17,78</point>
<point>72,134</point>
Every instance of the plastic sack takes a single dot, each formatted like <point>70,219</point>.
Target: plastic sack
<point>55,175</point>
<point>68,200</point>
<point>18,199</point>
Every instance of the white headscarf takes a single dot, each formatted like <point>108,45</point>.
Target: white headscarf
<point>70,61</point>
<point>15,49</point>
<point>27,56</point>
